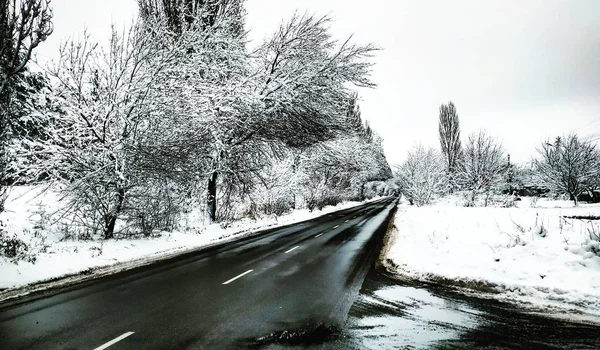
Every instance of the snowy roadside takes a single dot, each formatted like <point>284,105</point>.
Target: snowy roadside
<point>63,261</point>
<point>542,257</point>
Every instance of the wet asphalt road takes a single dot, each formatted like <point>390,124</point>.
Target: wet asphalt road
<point>311,285</point>
<point>235,296</point>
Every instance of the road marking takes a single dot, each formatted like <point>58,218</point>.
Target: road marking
<point>319,235</point>
<point>114,341</point>
<point>292,249</point>
<point>347,220</point>
<point>336,226</point>
<point>238,276</point>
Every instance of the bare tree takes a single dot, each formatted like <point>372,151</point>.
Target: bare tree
<point>182,15</point>
<point>24,24</point>
<point>449,130</point>
<point>422,175</point>
<point>305,78</point>
<point>482,166</point>
<point>569,165</point>
<point>106,114</point>
<point>295,96</point>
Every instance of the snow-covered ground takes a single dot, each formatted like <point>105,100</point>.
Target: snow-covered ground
<point>26,217</point>
<point>533,253</point>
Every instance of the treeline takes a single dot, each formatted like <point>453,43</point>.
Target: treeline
<point>480,168</point>
<point>176,114</point>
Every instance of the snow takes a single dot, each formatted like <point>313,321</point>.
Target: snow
<point>26,214</point>
<point>529,255</point>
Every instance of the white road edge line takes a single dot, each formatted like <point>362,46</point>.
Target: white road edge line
<point>336,226</point>
<point>114,341</point>
<point>238,276</point>
<point>292,249</point>
<point>319,235</point>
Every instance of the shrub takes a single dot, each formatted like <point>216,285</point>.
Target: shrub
<point>13,247</point>
<point>422,176</point>
<point>277,206</point>
<point>593,240</point>
<point>321,202</point>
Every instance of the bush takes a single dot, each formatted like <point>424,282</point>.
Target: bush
<point>321,202</point>
<point>277,206</point>
<point>151,209</point>
<point>422,176</point>
<point>13,247</point>
<point>593,240</point>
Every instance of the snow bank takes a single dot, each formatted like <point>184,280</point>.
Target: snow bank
<point>26,216</point>
<point>536,255</point>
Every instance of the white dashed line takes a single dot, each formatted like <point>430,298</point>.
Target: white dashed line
<point>292,249</point>
<point>238,276</point>
<point>319,235</point>
<point>347,220</point>
<point>114,341</point>
<point>336,226</point>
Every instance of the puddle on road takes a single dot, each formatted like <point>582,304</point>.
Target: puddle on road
<point>403,316</point>
<point>383,317</point>
<point>389,314</point>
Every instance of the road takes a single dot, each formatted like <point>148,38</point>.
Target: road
<point>296,282</point>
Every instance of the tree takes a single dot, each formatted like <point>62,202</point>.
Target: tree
<point>305,79</point>
<point>482,166</point>
<point>24,24</point>
<point>182,15</point>
<point>569,165</point>
<point>354,121</point>
<point>422,175</point>
<point>449,130</point>
<point>213,73</point>
<point>296,97</point>
<point>107,113</point>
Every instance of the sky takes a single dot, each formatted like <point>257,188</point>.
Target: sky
<point>523,70</point>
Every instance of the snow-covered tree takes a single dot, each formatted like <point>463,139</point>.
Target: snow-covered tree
<point>482,166</point>
<point>422,176</point>
<point>294,97</point>
<point>449,130</point>
<point>105,113</point>
<point>24,24</point>
<point>569,165</point>
<point>305,78</point>
<point>180,16</point>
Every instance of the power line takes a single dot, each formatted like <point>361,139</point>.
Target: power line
<point>588,124</point>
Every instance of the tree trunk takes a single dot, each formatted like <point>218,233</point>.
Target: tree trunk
<point>211,198</point>
<point>111,218</point>
<point>4,115</point>
<point>362,192</point>
<point>573,197</point>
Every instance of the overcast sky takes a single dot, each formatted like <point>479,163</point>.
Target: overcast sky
<point>523,70</point>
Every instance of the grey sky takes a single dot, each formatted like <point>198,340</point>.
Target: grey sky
<point>523,70</point>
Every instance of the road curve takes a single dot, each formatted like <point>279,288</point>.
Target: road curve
<point>307,274</point>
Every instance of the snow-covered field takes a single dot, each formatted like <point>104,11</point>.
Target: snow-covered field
<point>533,253</point>
<point>26,217</point>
